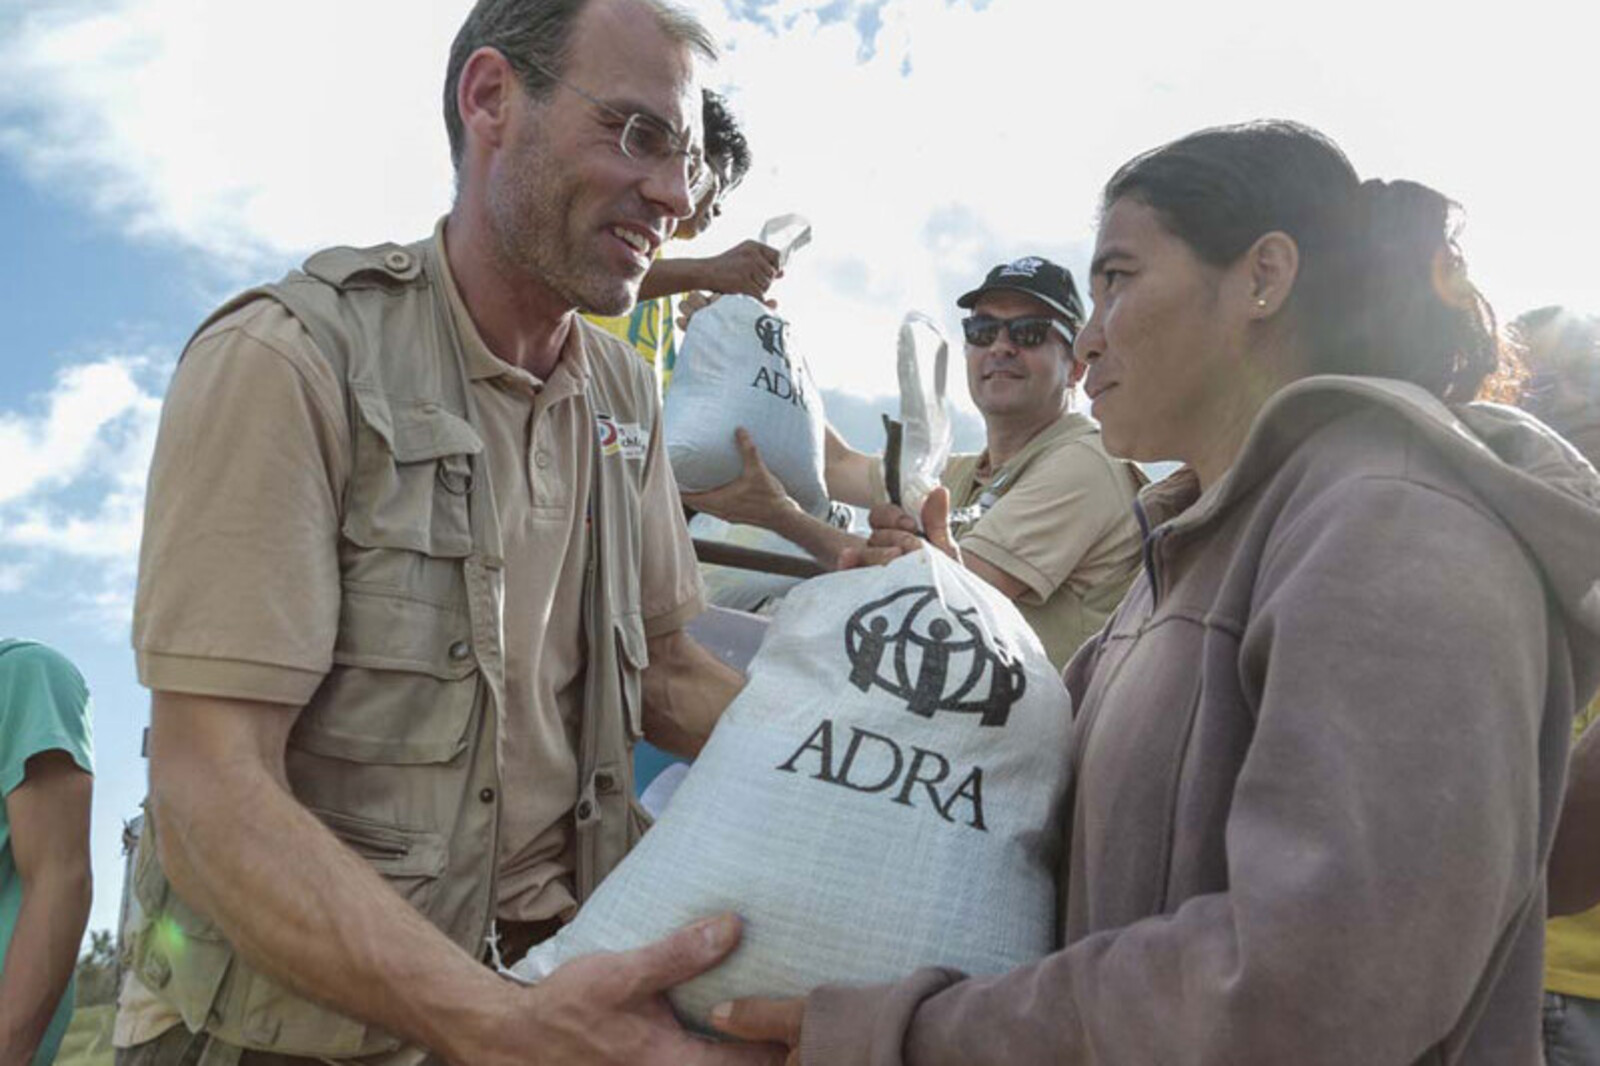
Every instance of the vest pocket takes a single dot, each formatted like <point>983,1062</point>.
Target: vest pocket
<point>178,952</point>
<point>411,861</point>
<point>387,717</point>
<point>410,476</point>
<point>403,685</point>
<point>633,655</point>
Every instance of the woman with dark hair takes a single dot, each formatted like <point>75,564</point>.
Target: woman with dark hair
<point>1319,748</point>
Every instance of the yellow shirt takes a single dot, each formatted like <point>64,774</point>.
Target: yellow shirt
<point>1572,944</point>
<point>648,329</point>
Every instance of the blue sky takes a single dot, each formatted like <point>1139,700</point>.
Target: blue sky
<point>157,154</point>
<point>77,293</point>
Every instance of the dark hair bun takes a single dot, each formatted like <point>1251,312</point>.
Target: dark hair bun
<point>1425,320</point>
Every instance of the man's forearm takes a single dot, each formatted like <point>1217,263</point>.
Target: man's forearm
<point>324,924</point>
<point>686,689</point>
<point>822,541</point>
<point>41,957</point>
<point>668,277</point>
<point>847,471</point>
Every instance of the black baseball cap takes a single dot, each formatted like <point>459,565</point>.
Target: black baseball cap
<point>1039,278</point>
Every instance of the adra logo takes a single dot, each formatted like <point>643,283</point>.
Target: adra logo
<point>770,332</point>
<point>779,380</point>
<point>934,658</point>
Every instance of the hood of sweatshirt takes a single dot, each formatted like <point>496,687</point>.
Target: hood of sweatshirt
<point>1544,491</point>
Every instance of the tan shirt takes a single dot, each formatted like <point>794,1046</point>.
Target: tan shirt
<point>239,578</point>
<point>1057,516</point>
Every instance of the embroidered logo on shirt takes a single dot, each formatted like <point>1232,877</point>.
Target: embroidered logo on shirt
<point>626,439</point>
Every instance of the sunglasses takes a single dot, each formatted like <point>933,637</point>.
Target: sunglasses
<point>1025,331</point>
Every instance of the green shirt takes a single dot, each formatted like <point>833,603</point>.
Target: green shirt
<point>44,706</point>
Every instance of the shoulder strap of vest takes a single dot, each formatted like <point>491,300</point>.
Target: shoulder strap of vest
<point>384,266</point>
<point>311,294</point>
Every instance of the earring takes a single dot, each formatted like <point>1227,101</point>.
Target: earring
<point>1261,301</point>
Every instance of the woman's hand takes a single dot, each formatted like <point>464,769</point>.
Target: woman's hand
<point>764,1021</point>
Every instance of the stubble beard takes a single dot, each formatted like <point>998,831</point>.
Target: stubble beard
<point>531,212</point>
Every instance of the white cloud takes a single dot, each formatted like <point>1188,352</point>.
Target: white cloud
<point>13,576</point>
<point>72,490</point>
<point>973,132</point>
<point>233,131</point>
<point>53,448</point>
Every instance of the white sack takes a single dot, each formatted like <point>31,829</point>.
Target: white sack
<point>884,794</point>
<point>923,359</point>
<point>788,234</point>
<point>738,366</point>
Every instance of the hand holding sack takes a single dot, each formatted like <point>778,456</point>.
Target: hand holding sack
<point>922,362</point>
<point>738,366</point>
<point>884,794</point>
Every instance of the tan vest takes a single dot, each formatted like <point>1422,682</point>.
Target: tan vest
<point>396,751</point>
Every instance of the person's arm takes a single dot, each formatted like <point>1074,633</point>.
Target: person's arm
<point>686,689</point>
<point>328,927</point>
<point>49,818</point>
<point>895,534</point>
<point>848,472</point>
<point>757,498</point>
<point>748,268</point>
<point>1381,837</point>
<point>1575,859</point>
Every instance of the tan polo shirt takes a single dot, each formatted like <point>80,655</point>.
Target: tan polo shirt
<point>238,589</point>
<point>1057,516</point>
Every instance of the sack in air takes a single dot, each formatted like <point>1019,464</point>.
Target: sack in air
<point>884,794</point>
<point>738,366</point>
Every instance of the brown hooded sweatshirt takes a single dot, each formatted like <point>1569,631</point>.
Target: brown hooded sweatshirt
<point>1319,752</point>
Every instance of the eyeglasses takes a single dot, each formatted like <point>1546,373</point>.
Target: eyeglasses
<point>647,138</point>
<point>1025,331</point>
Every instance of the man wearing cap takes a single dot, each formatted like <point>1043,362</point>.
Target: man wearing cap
<point>402,613</point>
<point>1042,513</point>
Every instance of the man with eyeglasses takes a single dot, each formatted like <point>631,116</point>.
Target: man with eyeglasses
<point>748,268</point>
<point>1042,513</point>
<point>413,580</point>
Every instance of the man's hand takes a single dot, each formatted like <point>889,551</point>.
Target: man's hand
<point>757,498</point>
<point>769,1021</point>
<point>754,498</point>
<point>748,269</point>
<point>609,1009</point>
<point>894,533</point>
<point>692,304</point>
